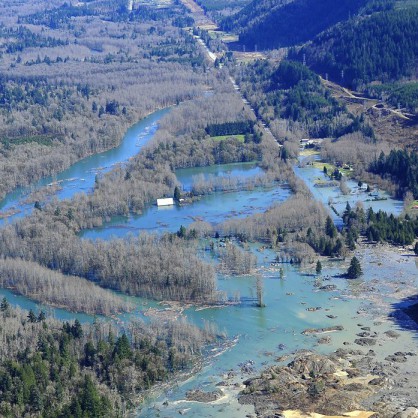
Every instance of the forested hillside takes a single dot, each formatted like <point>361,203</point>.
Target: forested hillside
<point>404,95</point>
<point>64,370</point>
<point>271,24</point>
<point>401,167</point>
<point>293,93</point>
<point>383,46</point>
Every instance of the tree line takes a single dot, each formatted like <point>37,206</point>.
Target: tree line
<point>401,167</point>
<point>21,37</point>
<point>289,227</point>
<point>291,95</point>
<point>157,267</point>
<point>230,128</point>
<point>380,226</point>
<point>38,283</point>
<point>404,95</point>
<point>60,370</point>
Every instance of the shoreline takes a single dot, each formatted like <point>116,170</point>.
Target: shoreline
<point>384,299</point>
<point>372,342</point>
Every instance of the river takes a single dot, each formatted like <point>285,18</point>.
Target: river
<point>293,303</point>
<point>80,177</point>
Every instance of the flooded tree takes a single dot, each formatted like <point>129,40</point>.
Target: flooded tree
<point>260,292</point>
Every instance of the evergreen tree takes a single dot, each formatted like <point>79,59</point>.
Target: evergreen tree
<point>31,316</point>
<point>123,347</point>
<point>76,329</point>
<point>41,316</point>
<point>89,354</point>
<point>318,267</point>
<point>354,271</point>
<point>330,228</point>
<point>181,233</point>
<point>177,194</point>
<point>91,403</point>
<point>4,306</point>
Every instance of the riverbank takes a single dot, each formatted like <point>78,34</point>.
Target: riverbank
<point>374,351</point>
<point>374,354</point>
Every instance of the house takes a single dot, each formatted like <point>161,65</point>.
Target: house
<point>165,202</point>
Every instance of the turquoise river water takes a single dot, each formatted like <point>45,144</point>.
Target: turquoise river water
<point>256,334</point>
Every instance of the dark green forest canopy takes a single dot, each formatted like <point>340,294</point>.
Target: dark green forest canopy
<point>379,226</point>
<point>404,95</point>
<point>383,47</point>
<point>402,167</point>
<point>296,93</point>
<point>280,23</point>
<point>66,370</point>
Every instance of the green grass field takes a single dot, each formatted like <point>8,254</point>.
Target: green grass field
<point>240,138</point>
<point>40,139</point>
<point>330,168</point>
<point>413,206</point>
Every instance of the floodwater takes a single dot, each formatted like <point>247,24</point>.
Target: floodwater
<point>293,302</point>
<point>322,189</point>
<point>80,177</point>
<point>213,208</point>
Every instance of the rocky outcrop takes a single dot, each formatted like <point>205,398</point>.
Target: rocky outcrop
<point>311,382</point>
<point>365,341</point>
<point>410,412</point>
<point>198,395</point>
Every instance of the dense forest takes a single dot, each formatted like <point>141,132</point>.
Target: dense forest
<point>230,128</point>
<point>404,95</point>
<point>401,167</point>
<point>382,46</point>
<point>295,104</point>
<point>57,101</point>
<point>60,370</point>
<point>281,23</point>
<point>379,227</point>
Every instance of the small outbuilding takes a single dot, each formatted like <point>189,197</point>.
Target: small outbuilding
<point>165,202</point>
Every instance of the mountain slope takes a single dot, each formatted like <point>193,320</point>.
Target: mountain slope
<point>381,47</point>
<point>271,24</point>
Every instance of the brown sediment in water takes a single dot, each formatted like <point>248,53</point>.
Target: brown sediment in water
<point>330,385</point>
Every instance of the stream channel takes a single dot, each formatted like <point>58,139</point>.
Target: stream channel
<point>258,335</point>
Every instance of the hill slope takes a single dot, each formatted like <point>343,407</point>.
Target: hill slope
<point>277,23</point>
<point>383,47</point>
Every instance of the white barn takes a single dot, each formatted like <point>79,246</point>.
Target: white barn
<point>165,202</point>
